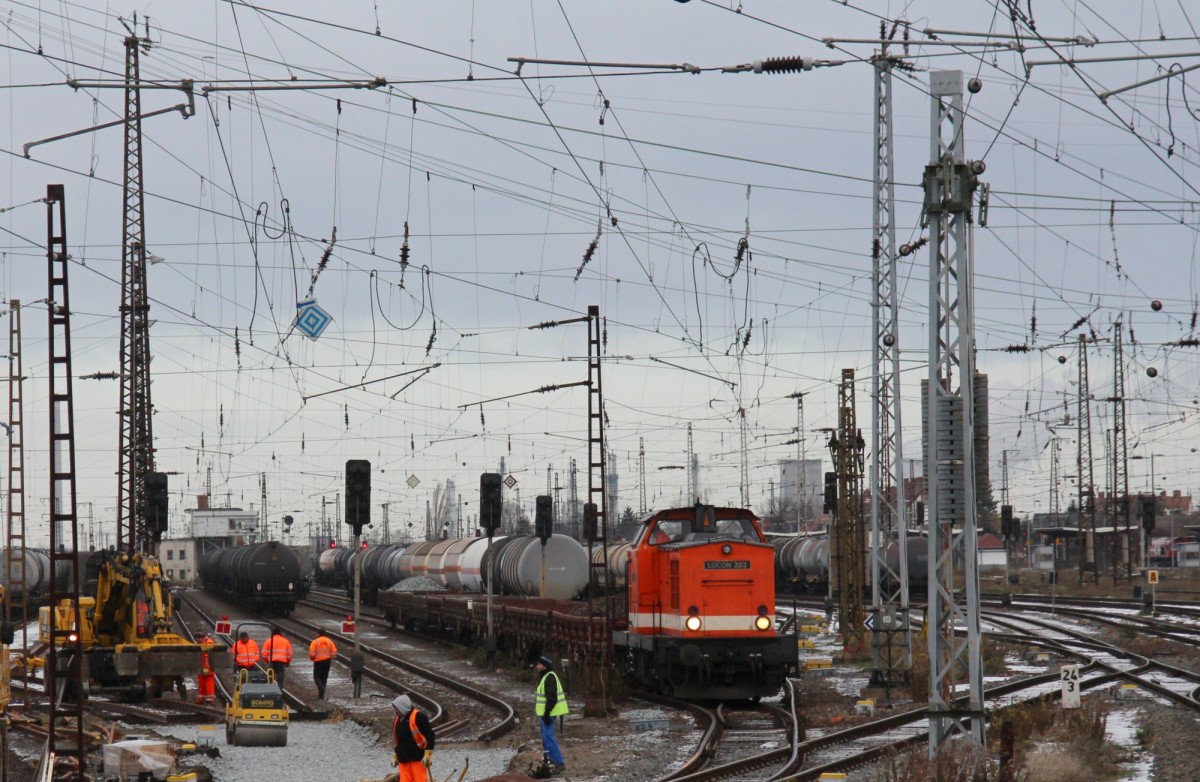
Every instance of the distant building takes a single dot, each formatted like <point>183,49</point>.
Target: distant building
<point>222,523</point>
<point>801,491</point>
<point>990,552</point>
<point>213,528</point>
<point>1176,502</point>
<point>178,560</point>
<point>611,491</point>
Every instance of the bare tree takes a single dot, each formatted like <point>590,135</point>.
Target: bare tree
<point>440,510</point>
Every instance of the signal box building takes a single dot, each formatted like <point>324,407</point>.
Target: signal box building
<point>178,560</point>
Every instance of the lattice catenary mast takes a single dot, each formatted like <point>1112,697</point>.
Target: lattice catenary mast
<point>1089,567</point>
<point>848,536</point>
<point>953,619</point>
<point>17,602</point>
<point>1120,515</point>
<point>64,657</point>
<point>891,641</point>
<point>136,449</point>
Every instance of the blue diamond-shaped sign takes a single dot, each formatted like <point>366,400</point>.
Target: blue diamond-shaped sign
<point>311,320</point>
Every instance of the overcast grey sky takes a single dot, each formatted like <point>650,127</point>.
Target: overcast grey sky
<point>505,181</point>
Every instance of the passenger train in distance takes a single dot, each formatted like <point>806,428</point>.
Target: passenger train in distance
<point>701,607</point>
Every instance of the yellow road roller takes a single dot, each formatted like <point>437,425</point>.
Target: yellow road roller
<point>256,716</point>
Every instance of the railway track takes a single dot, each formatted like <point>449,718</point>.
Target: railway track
<point>449,694</point>
<point>1177,685</point>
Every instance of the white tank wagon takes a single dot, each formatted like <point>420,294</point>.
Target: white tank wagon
<point>469,569</point>
<point>464,565</point>
<point>35,566</point>
<point>435,560</point>
<point>412,561</point>
<point>332,566</point>
<point>558,570</point>
<point>617,562</point>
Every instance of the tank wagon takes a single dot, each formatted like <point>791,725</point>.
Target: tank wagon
<point>331,566</point>
<point>37,575</point>
<point>462,565</point>
<point>695,599</point>
<point>36,566</point>
<point>265,576</point>
<point>802,562</point>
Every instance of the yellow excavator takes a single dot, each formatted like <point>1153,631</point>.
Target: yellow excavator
<point>129,644</point>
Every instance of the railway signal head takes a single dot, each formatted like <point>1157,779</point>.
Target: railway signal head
<point>1149,509</point>
<point>591,521</point>
<point>491,501</point>
<point>543,520</point>
<point>156,502</point>
<point>358,494</point>
<point>831,499</point>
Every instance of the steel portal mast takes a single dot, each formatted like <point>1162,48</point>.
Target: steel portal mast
<point>693,483</point>
<point>1122,538</point>
<point>1089,567</point>
<point>596,508</point>
<point>949,184</point>
<point>744,456</point>
<point>64,658</point>
<point>848,539</point>
<point>263,534</point>
<point>891,642</point>
<point>14,563</point>
<point>1055,481</point>
<point>642,476</point>
<point>136,449</point>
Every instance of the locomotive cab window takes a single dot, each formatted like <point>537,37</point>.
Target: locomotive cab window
<point>740,529</point>
<point>682,530</point>
<point>669,531</point>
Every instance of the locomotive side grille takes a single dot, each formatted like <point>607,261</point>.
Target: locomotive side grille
<point>674,585</point>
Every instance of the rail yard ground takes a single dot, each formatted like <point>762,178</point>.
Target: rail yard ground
<point>1142,738</point>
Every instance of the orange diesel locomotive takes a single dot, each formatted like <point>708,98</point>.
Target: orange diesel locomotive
<point>701,622</point>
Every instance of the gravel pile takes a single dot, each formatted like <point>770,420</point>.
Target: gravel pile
<point>340,751</point>
<point>417,584</point>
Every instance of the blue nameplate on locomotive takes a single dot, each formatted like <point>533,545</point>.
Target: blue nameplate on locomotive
<point>727,564</point>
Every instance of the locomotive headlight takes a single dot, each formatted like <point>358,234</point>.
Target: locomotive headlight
<point>727,549</point>
<point>692,623</point>
<point>762,623</point>
<point>289,586</point>
<point>258,587</point>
